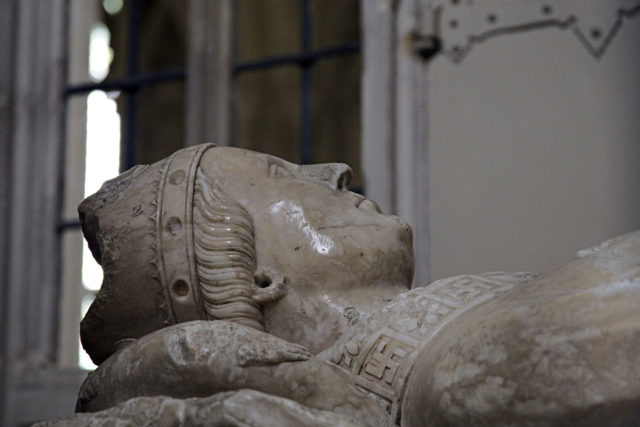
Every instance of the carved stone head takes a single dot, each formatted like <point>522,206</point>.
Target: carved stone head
<point>215,233</point>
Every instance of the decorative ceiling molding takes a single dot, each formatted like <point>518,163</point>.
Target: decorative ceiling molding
<point>454,27</point>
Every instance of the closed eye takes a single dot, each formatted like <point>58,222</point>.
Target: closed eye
<point>277,171</point>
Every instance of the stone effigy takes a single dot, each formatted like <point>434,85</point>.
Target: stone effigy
<point>241,289</point>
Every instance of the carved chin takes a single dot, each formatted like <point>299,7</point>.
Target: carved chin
<point>394,263</point>
<point>380,257</point>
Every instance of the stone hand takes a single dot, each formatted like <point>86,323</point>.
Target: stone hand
<point>202,358</point>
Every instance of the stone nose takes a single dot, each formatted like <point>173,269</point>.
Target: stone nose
<point>337,175</point>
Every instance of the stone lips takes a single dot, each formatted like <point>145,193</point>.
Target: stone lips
<point>133,224</point>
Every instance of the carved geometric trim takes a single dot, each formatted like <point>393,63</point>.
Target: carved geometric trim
<point>460,25</point>
<point>382,359</point>
<point>382,368</point>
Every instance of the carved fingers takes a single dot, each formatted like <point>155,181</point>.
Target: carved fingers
<point>262,354</point>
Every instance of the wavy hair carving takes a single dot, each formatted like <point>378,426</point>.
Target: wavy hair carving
<point>225,255</point>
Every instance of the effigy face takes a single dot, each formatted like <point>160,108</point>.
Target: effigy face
<point>328,240</point>
<point>331,244</point>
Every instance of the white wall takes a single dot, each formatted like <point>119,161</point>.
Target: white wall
<point>534,151</point>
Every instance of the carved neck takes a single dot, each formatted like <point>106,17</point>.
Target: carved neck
<point>317,321</point>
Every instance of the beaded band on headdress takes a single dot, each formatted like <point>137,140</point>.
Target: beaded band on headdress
<point>175,235</point>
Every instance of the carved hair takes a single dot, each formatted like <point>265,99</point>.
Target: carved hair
<point>225,255</point>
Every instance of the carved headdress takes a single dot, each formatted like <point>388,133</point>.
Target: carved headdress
<point>173,248</point>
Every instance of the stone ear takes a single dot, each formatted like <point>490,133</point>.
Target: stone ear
<point>271,285</point>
